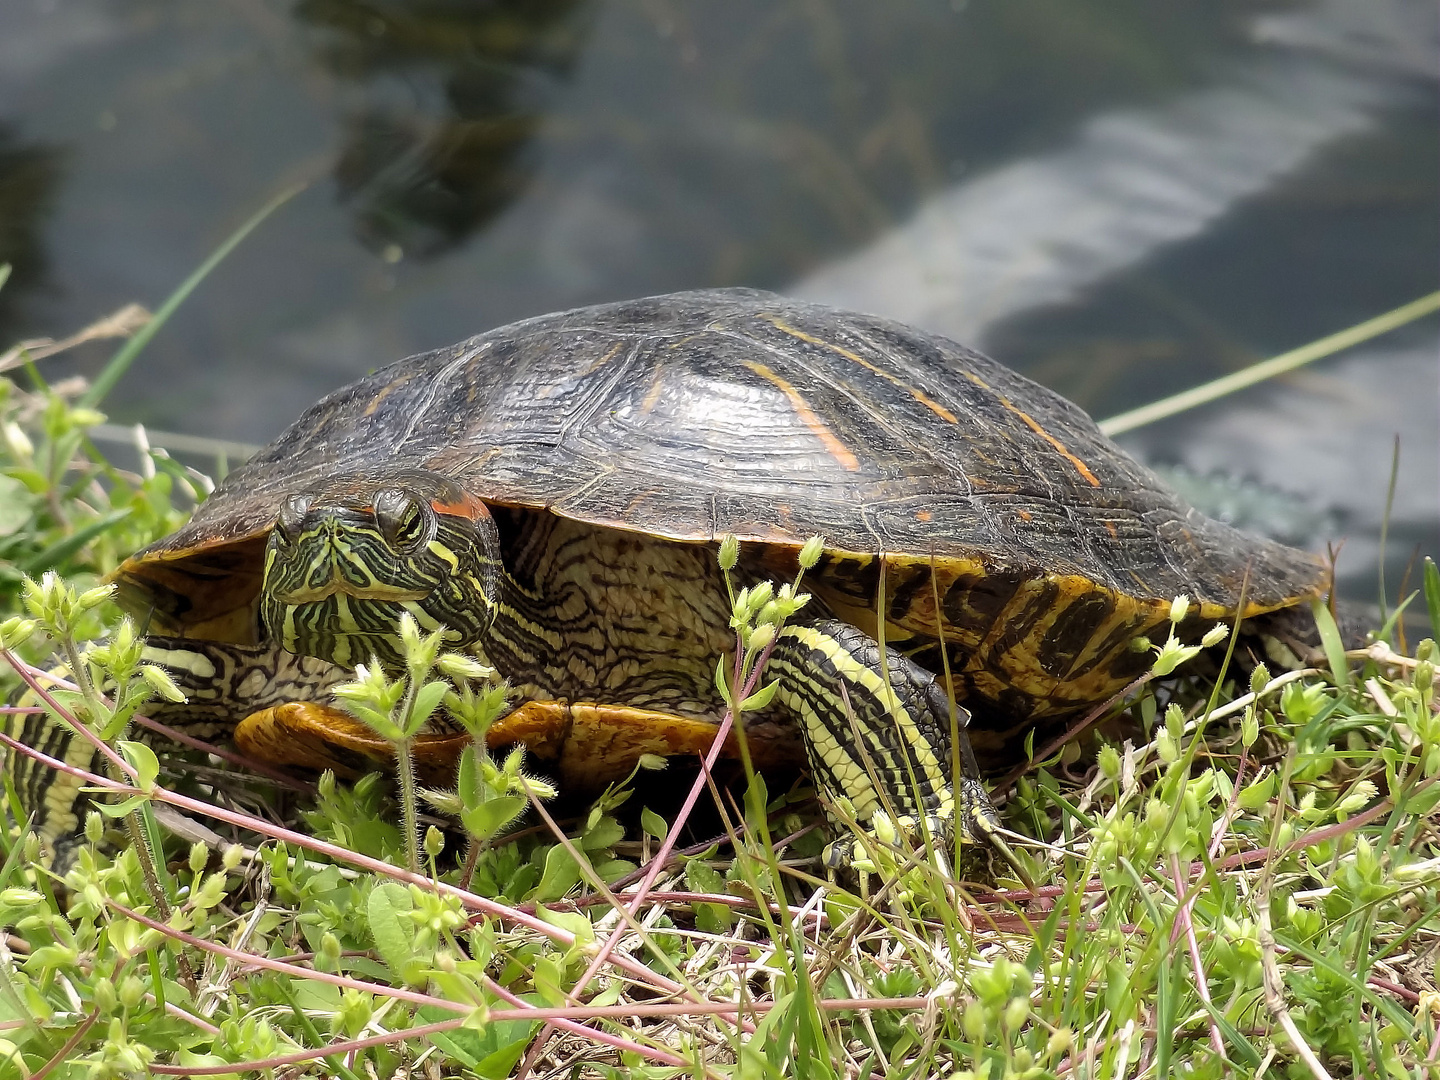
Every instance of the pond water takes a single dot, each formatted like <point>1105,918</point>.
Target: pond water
<point>1120,198</point>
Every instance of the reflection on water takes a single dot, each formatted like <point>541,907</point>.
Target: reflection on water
<point>1122,197</point>
<point>453,94</point>
<point>1041,231</point>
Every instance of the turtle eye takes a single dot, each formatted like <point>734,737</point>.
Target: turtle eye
<point>292,518</point>
<point>401,518</point>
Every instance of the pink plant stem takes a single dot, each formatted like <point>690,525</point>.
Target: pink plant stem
<point>562,1018</point>
<point>26,672</point>
<point>1229,815</point>
<point>62,1056</point>
<point>414,997</point>
<point>623,924</point>
<point>347,1047</point>
<point>567,1020</point>
<point>426,1030</point>
<point>668,844</point>
<point>1069,735</point>
<point>173,734</point>
<point>1202,982</point>
<point>340,854</point>
<point>250,764</point>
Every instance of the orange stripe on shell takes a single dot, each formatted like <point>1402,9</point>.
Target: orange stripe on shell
<point>838,450</point>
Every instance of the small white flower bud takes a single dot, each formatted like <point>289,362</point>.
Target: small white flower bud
<point>459,666</point>
<point>17,442</point>
<point>159,680</point>
<point>93,598</point>
<point>761,636</point>
<point>1215,635</point>
<point>729,551</point>
<point>811,552</point>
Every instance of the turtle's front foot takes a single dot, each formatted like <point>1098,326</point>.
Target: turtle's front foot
<point>976,821</point>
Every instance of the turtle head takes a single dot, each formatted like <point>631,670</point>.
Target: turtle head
<point>346,560</point>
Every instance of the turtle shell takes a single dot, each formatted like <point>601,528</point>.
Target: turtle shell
<point>700,414</point>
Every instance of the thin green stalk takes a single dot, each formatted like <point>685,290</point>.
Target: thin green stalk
<point>1268,369</point>
<point>121,361</point>
<point>135,824</point>
<point>405,766</point>
<point>1385,527</point>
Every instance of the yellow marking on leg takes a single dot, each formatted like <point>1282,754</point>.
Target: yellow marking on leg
<point>838,450</point>
<point>919,395</point>
<point>929,768</point>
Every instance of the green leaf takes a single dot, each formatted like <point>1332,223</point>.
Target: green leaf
<point>388,910</point>
<point>468,783</point>
<point>760,698</point>
<point>1432,595</point>
<point>144,761</point>
<point>571,921</point>
<point>120,809</point>
<point>427,700</point>
<point>548,977</point>
<point>376,721</point>
<point>606,832</point>
<point>62,550</point>
<point>701,877</point>
<point>489,818</point>
<point>653,824</point>
<point>1419,805</point>
<point>561,875</point>
<point>722,682</point>
<point>1334,647</point>
<point>502,1062</point>
<point>17,505</point>
<point>1255,795</point>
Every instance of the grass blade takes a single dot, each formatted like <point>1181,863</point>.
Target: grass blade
<point>1334,647</point>
<point>1432,595</point>
<point>60,552</point>
<point>121,361</point>
<point>1268,369</point>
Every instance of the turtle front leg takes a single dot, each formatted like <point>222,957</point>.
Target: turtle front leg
<point>223,682</point>
<point>878,734</point>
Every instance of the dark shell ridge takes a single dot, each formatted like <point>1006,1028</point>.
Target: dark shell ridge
<point>732,411</point>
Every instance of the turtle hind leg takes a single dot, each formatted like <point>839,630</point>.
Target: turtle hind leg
<point>54,803</point>
<point>878,733</point>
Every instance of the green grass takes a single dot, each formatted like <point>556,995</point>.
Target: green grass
<point>1234,881</point>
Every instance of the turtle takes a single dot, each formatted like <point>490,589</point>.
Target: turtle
<point>551,495</point>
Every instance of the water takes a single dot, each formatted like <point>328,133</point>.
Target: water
<point>1118,197</point>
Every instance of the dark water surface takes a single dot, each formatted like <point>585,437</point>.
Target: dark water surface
<point>1120,198</point>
